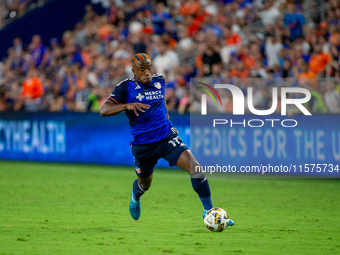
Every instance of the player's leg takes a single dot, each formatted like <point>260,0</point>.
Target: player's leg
<point>145,161</point>
<point>178,154</point>
<point>140,185</point>
<point>187,162</point>
<point>200,184</point>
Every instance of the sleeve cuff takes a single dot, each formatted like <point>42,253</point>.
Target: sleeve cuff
<point>113,100</point>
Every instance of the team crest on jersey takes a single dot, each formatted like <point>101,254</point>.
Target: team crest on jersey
<point>158,85</point>
<point>138,170</point>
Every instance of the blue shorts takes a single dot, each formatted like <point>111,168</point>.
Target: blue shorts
<point>146,156</point>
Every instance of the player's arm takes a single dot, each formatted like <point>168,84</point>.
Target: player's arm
<point>116,102</point>
<point>166,110</point>
<point>110,108</point>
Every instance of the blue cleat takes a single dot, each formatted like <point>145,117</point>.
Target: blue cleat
<point>231,223</point>
<point>204,213</point>
<point>134,208</point>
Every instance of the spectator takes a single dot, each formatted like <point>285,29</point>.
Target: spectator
<point>32,87</point>
<point>171,99</point>
<point>37,50</point>
<point>287,69</point>
<point>334,35</point>
<point>137,43</point>
<point>270,13</point>
<point>190,7</point>
<point>233,40</point>
<point>294,21</point>
<point>192,25</point>
<point>307,74</point>
<point>209,58</point>
<point>302,44</point>
<point>93,102</point>
<point>185,42</point>
<point>17,46</point>
<point>315,104</point>
<point>239,70</point>
<point>80,33</point>
<point>319,60</point>
<point>273,47</point>
<point>211,23</point>
<point>332,98</point>
<point>259,71</point>
<point>163,62</point>
<point>159,18</point>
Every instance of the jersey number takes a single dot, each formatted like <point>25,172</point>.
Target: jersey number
<point>176,141</point>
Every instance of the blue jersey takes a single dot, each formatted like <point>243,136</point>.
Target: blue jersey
<point>152,125</point>
<point>294,21</point>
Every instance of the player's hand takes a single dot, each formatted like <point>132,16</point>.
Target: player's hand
<point>137,106</point>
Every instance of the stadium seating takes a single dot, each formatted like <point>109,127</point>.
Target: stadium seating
<point>270,40</point>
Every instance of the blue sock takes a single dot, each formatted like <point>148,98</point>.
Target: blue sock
<point>137,190</point>
<point>201,186</point>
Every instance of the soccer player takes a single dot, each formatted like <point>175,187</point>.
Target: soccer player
<point>154,137</point>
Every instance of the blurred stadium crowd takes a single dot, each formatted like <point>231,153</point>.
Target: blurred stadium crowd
<point>186,39</point>
<point>13,9</point>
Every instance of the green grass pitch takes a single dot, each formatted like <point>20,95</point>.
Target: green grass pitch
<point>75,209</point>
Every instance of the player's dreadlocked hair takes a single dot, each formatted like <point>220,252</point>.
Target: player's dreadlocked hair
<point>139,57</point>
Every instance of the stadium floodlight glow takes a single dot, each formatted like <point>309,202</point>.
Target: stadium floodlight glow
<point>238,100</point>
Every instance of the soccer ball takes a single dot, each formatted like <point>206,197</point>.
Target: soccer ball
<point>216,220</point>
